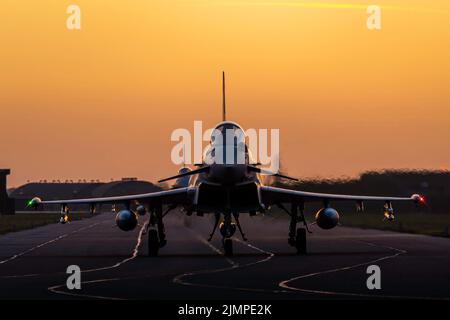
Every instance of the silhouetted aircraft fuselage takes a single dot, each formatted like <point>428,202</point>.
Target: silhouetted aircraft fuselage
<point>227,180</point>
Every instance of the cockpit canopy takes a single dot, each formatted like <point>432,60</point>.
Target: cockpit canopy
<point>227,145</point>
<point>226,130</point>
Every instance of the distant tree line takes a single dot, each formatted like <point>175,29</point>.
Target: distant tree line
<point>434,185</point>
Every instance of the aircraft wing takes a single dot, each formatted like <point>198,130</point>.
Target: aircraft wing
<point>274,195</point>
<point>174,196</point>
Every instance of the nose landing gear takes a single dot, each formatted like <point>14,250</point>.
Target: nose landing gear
<point>227,229</point>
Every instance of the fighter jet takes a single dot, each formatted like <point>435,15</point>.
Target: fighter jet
<point>225,189</point>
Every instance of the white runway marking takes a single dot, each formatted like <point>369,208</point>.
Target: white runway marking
<point>57,289</point>
<point>54,289</point>
<point>134,254</point>
<point>21,276</point>
<point>285,286</point>
<point>179,279</point>
<point>285,283</point>
<point>46,243</point>
<point>270,254</point>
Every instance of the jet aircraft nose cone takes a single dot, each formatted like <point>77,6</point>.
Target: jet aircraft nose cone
<point>227,173</point>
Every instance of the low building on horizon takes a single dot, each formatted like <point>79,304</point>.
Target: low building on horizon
<point>6,201</point>
<point>77,190</point>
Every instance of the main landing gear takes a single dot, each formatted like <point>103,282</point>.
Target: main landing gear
<point>300,241</point>
<point>153,243</point>
<point>297,236</point>
<point>156,232</point>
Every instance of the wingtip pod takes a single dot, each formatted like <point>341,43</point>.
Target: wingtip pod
<point>33,203</point>
<point>419,199</point>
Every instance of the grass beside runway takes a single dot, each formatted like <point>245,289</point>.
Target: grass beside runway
<point>29,220</point>
<point>419,222</point>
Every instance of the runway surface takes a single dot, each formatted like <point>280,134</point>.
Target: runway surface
<point>114,264</point>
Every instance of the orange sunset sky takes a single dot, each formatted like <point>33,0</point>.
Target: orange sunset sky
<point>101,102</point>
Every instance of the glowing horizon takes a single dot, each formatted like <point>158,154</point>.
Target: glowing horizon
<point>101,102</point>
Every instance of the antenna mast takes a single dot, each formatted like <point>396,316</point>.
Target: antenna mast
<point>224,118</point>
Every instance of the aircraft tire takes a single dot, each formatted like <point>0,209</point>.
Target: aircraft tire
<point>228,247</point>
<point>153,243</point>
<point>300,241</point>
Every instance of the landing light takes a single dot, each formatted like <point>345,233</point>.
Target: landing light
<point>389,216</point>
<point>64,219</point>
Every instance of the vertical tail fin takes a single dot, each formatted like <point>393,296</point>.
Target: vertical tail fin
<point>184,155</point>
<point>224,115</point>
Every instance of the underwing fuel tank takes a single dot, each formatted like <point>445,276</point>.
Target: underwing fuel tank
<point>126,220</point>
<point>327,218</point>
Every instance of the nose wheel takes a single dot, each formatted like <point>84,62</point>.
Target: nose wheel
<point>227,229</point>
<point>228,247</point>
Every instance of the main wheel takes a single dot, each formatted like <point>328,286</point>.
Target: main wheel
<point>228,247</point>
<point>300,241</point>
<point>153,243</point>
